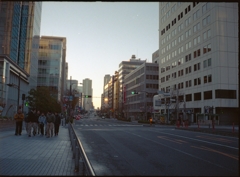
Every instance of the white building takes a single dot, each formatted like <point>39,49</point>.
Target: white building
<point>198,53</point>
<point>87,90</point>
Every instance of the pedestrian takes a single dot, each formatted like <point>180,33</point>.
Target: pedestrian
<point>42,121</point>
<point>150,120</point>
<point>30,120</point>
<point>26,122</point>
<point>38,125</point>
<point>57,123</point>
<point>62,119</point>
<point>45,125</point>
<point>50,124</point>
<point>19,116</point>
<point>35,122</point>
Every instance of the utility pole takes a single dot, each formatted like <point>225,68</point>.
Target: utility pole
<point>177,102</point>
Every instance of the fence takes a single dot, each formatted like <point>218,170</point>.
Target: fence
<point>82,164</point>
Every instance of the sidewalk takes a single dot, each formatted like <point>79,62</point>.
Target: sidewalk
<point>36,155</point>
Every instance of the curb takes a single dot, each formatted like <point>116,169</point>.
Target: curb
<point>217,132</point>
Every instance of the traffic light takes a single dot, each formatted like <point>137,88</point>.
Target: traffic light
<point>26,104</point>
<point>23,96</point>
<point>134,92</point>
<point>88,96</point>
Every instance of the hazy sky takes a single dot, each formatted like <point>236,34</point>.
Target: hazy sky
<point>100,35</point>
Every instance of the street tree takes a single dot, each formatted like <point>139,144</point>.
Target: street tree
<point>42,99</point>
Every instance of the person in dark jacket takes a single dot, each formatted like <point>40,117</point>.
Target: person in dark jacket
<point>35,123</point>
<point>30,119</point>
<point>38,124</point>
<point>57,123</point>
<point>50,123</point>
<point>19,116</point>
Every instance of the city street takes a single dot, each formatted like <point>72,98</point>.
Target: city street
<point>122,148</point>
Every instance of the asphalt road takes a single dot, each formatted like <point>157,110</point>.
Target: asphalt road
<point>126,149</point>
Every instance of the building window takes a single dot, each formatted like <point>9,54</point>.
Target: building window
<point>207,95</point>
<point>196,27</point>
<point>210,78</point>
<point>207,63</point>
<point>197,67</point>
<point>196,15</point>
<point>205,79</point>
<point>227,94</point>
<point>188,97</point>
<point>205,7</point>
<point>206,20</point>
<point>197,96</point>
<point>197,81</point>
<point>207,48</point>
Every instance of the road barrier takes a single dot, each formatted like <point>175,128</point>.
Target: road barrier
<point>81,160</point>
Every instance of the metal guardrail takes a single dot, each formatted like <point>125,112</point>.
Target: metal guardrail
<point>82,164</point>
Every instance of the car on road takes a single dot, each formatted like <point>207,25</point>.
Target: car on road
<point>103,117</point>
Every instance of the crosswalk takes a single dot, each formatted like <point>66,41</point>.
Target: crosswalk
<point>109,125</point>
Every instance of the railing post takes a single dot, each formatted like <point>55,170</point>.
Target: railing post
<point>74,147</point>
<point>81,166</point>
<point>77,160</point>
<point>71,137</point>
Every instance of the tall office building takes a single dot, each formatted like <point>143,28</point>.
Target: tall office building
<point>198,50</point>
<point>19,41</point>
<point>51,64</point>
<point>87,90</point>
<point>125,67</point>
<point>107,78</point>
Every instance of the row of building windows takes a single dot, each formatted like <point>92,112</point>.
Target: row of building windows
<point>227,94</point>
<point>196,53</point>
<point>197,81</point>
<point>197,40</point>
<point>206,35</point>
<point>196,15</point>
<point>188,70</point>
<point>219,93</point>
<point>50,46</point>
<point>168,13</point>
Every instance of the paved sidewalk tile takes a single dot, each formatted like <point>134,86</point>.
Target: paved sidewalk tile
<point>36,155</point>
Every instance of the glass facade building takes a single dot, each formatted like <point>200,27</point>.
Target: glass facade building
<point>19,34</point>
<point>50,61</point>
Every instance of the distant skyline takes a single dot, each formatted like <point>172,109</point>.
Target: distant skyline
<point>100,35</point>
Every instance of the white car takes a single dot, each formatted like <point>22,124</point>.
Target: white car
<point>103,117</point>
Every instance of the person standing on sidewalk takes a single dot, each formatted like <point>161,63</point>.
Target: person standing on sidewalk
<point>150,120</point>
<point>57,123</point>
<point>35,123</point>
<point>26,122</point>
<point>62,119</point>
<point>41,121</point>
<point>50,124</point>
<point>19,116</point>
<point>38,125</point>
<point>30,120</point>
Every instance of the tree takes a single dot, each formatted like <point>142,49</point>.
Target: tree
<point>42,100</point>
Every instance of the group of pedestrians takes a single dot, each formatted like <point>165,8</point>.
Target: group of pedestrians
<point>37,122</point>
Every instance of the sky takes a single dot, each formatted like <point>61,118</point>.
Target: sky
<point>100,35</point>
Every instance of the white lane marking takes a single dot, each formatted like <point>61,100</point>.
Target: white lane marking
<point>181,151</point>
<point>200,140</point>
